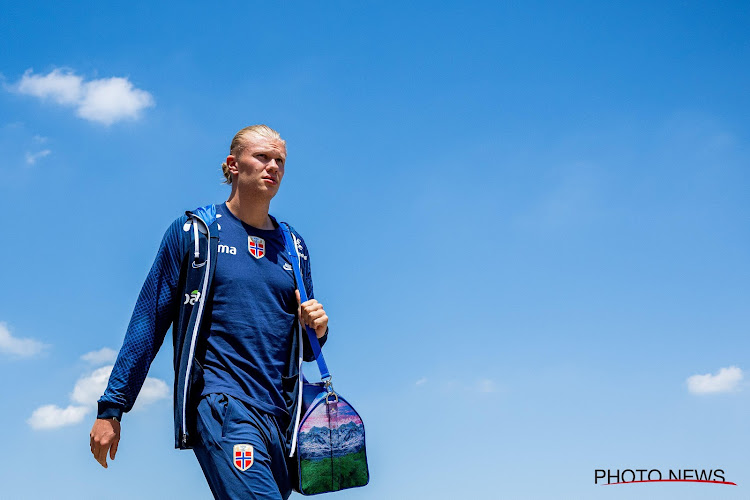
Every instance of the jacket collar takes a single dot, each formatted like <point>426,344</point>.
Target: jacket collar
<point>207,214</point>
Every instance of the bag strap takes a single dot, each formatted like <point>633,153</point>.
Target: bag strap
<point>291,249</point>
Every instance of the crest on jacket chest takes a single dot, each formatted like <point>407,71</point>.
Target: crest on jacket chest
<point>256,246</point>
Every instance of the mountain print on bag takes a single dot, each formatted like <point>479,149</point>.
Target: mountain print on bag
<point>331,448</point>
<point>346,433</point>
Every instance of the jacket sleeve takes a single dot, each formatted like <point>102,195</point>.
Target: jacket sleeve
<point>148,326</point>
<point>307,353</point>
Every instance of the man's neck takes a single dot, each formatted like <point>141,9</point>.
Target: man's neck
<point>251,212</point>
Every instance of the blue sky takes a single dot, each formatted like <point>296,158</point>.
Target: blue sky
<point>527,222</point>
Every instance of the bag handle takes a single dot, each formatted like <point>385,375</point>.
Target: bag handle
<point>291,249</point>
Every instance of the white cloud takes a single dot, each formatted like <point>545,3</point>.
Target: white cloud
<point>53,417</point>
<point>88,389</point>
<point>726,380</point>
<point>62,87</point>
<point>421,381</point>
<point>104,100</point>
<point>31,158</point>
<point>109,100</point>
<point>153,390</point>
<point>103,355</point>
<point>19,347</point>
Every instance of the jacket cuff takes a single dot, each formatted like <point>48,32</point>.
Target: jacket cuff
<point>322,340</point>
<point>108,409</point>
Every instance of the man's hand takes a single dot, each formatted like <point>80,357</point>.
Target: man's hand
<point>311,313</point>
<point>105,436</point>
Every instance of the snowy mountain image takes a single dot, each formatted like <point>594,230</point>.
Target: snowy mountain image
<point>315,442</point>
<point>349,438</point>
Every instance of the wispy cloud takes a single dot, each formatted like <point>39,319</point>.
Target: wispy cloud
<point>153,390</point>
<point>61,87</point>
<point>726,380</point>
<point>31,158</point>
<point>104,100</point>
<point>91,386</point>
<point>53,417</point>
<point>103,355</point>
<point>421,381</point>
<point>87,390</point>
<point>20,347</point>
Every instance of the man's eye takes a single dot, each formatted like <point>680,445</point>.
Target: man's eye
<point>260,155</point>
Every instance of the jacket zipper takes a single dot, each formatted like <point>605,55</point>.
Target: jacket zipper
<point>196,327</point>
<point>301,357</point>
<point>299,395</point>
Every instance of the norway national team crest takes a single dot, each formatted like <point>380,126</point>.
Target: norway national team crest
<point>243,456</point>
<point>257,246</point>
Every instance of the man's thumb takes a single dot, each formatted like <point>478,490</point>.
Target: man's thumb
<point>113,449</point>
<point>299,300</point>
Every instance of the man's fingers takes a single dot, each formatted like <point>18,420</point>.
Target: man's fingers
<point>100,453</point>
<point>310,306</point>
<point>316,319</point>
<point>322,321</point>
<point>113,449</point>
<point>104,438</point>
<point>312,316</point>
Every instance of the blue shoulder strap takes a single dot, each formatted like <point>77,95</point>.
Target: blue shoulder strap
<point>291,250</point>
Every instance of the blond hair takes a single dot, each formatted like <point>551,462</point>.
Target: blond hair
<point>239,143</point>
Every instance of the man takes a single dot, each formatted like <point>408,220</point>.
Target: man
<point>223,277</point>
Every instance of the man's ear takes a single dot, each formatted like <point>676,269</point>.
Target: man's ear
<point>232,164</point>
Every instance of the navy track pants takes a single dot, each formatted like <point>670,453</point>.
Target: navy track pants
<point>233,436</point>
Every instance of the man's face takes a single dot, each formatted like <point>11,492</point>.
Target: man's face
<point>260,166</point>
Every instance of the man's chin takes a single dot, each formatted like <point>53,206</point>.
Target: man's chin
<point>264,190</point>
<point>271,191</point>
